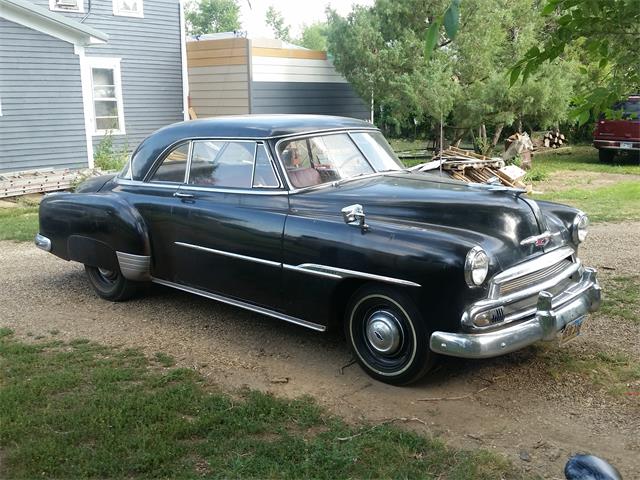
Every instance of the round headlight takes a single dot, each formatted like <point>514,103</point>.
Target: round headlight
<point>580,228</point>
<point>476,267</point>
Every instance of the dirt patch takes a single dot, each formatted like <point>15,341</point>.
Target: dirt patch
<point>512,404</point>
<point>566,180</point>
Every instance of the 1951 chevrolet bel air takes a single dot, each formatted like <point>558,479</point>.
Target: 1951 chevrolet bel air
<point>314,220</point>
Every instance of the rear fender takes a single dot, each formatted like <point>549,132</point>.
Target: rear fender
<point>98,229</point>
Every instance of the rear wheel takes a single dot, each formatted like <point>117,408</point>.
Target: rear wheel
<point>388,336</point>
<point>110,284</point>
<point>606,155</point>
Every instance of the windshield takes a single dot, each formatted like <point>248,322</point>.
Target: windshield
<point>328,158</point>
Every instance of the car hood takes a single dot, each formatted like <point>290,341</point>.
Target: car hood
<point>494,217</point>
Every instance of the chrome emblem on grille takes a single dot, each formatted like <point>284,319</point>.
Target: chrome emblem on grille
<point>537,240</point>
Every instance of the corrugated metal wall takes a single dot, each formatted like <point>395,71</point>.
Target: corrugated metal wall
<point>42,122</point>
<point>219,77</point>
<point>151,68</point>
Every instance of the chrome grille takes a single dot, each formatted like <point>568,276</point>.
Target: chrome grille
<point>534,278</point>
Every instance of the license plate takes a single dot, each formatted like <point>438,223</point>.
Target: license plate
<point>625,145</point>
<point>571,330</point>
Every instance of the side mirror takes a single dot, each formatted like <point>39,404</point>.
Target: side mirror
<point>354,215</point>
<point>589,467</point>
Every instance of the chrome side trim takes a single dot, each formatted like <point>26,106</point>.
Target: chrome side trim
<point>309,268</point>
<point>230,254</point>
<point>43,243</point>
<point>134,267</point>
<point>247,306</point>
<point>531,266</point>
<point>335,272</point>
<point>175,186</point>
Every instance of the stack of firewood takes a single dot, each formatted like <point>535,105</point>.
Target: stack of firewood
<point>553,139</point>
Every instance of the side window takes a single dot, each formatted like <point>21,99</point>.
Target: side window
<point>222,163</point>
<point>173,167</point>
<point>263,174</point>
<point>128,8</point>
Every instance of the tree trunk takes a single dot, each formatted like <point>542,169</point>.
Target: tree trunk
<point>519,125</point>
<point>496,134</point>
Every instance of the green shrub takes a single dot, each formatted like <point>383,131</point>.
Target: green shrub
<point>536,175</point>
<point>107,157</point>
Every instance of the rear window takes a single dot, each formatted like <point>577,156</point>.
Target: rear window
<point>630,109</point>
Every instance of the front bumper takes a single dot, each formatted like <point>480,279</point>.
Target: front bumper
<point>551,316</point>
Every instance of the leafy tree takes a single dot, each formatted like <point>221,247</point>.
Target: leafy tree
<point>608,34</point>
<point>381,50</point>
<point>213,16</point>
<point>277,23</point>
<point>313,36</point>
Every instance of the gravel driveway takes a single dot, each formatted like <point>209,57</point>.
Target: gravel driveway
<point>509,404</point>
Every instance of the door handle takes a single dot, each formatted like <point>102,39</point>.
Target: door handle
<point>183,195</point>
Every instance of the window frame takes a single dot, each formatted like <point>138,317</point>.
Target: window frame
<point>162,157</point>
<point>281,188</point>
<point>123,13</point>
<point>293,188</point>
<point>107,64</point>
<point>54,7</point>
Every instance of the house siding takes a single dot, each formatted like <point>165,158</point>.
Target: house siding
<point>42,122</point>
<point>151,67</point>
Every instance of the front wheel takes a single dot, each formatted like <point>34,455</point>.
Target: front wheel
<point>110,284</point>
<point>388,336</point>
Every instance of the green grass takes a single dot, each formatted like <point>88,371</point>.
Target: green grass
<point>622,297</point>
<point>582,158</point>
<point>613,371</point>
<point>612,203</point>
<point>79,409</point>
<point>19,223</point>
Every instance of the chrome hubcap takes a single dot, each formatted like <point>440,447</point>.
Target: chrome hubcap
<point>107,275</point>
<point>383,332</point>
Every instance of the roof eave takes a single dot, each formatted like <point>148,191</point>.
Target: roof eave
<point>52,23</point>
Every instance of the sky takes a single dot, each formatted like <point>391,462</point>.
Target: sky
<point>295,12</point>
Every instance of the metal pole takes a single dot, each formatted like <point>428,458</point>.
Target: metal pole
<point>441,141</point>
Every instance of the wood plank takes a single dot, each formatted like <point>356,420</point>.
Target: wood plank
<point>289,53</point>
<point>217,53</point>
<point>210,62</point>
<point>215,44</point>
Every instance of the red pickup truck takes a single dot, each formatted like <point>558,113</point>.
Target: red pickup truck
<point>615,136</point>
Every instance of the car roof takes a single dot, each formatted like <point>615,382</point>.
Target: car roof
<point>237,126</point>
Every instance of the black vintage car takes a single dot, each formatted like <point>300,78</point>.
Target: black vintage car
<point>313,220</point>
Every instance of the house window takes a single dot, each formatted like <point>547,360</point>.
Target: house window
<point>67,5</point>
<point>106,89</point>
<point>127,8</point>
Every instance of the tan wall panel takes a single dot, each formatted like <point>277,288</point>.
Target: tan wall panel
<point>219,82</point>
<point>218,70</point>
<point>218,53</point>
<point>222,102</point>
<point>219,86</point>
<point>208,62</point>
<point>205,112</point>
<point>219,93</point>
<point>289,53</point>
<point>215,44</point>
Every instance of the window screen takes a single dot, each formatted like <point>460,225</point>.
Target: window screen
<point>174,166</point>
<point>222,163</point>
